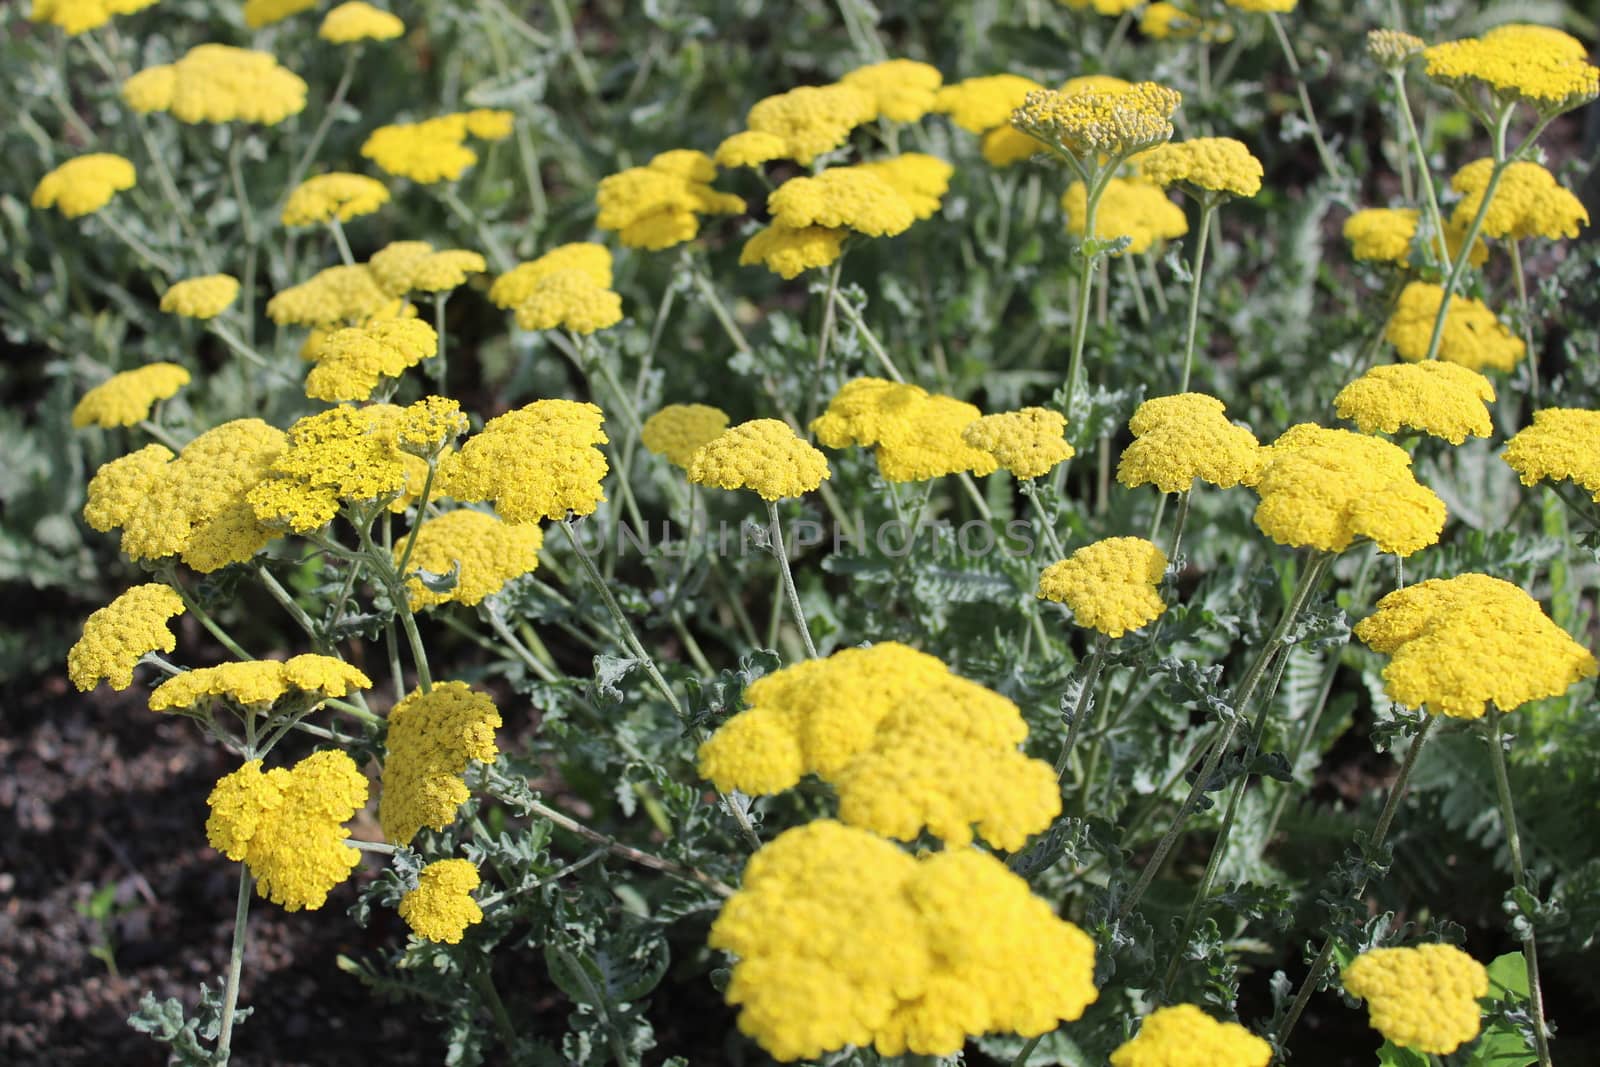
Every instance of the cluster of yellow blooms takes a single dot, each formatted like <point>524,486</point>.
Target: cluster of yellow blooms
<point>485,552</point>
<point>1423,998</point>
<point>287,825</point>
<point>1473,336</point>
<point>659,204</point>
<point>355,21</point>
<point>843,939</point>
<point>1112,586</point>
<point>1114,122</point>
<point>258,683</point>
<point>1561,445</point>
<point>1028,442</point>
<point>678,430</point>
<point>80,16</point>
<point>204,297</point>
<point>402,267</point>
<point>441,907</point>
<point>907,744</point>
<point>762,455</point>
<point>1457,643</point>
<point>1162,21</point>
<point>569,286</point>
<point>1180,438</point>
<point>337,195</point>
<point>345,295</point>
<point>1385,235</point>
<point>84,185</point>
<point>1185,1036</point>
<point>1128,207</point>
<point>537,462</point>
<point>1528,202</point>
<point>435,149</point>
<point>916,435</point>
<point>125,399</point>
<point>218,83</point>
<point>118,635</point>
<point>1211,164</point>
<point>432,737</point>
<point>1534,65</point>
<point>351,362</point>
<point>1438,398</point>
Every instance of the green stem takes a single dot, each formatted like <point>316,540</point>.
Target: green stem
<point>1527,319</point>
<point>441,369</point>
<point>143,251</point>
<point>230,993</point>
<point>870,339</point>
<point>628,852</point>
<point>206,620</point>
<point>521,651</point>
<point>782,553</point>
<point>309,156</point>
<point>497,1007</point>
<point>1519,876</point>
<point>1323,153</point>
<point>1097,660</point>
<point>160,434</point>
<point>336,228</point>
<point>1208,206</point>
<point>283,597</point>
<point>1027,1050</point>
<point>569,36</point>
<point>1431,201</point>
<point>825,339</point>
<point>502,259</point>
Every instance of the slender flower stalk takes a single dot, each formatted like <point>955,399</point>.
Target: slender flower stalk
<point>1208,208</point>
<point>1097,661</point>
<point>1425,174</point>
<point>782,553</point>
<point>230,993</point>
<point>1329,163</point>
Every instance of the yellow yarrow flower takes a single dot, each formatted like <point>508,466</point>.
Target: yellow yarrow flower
<point>356,21</point>
<point>1264,6</point>
<point>1100,122</point>
<point>1104,7</point>
<point>921,180</point>
<point>842,197</point>
<point>571,300</point>
<point>1168,22</point>
<point>1528,202</point>
<point>432,738</point>
<point>518,284</point>
<point>812,119</point>
<point>336,195</point>
<point>337,296</point>
<point>1324,488</point>
<point>764,456</point>
<point>126,399</point>
<point>1458,643</point>
<point>1423,998</point>
<point>80,16</point>
<point>750,148</point>
<point>840,938</point>
<point>1438,398</point>
<point>259,683</point>
<point>1517,67</point>
<point>344,454</point>
<point>485,553</point>
<point>979,105</point>
<point>537,462</point>
<point>1392,48</point>
<point>1385,235</point>
<point>352,362</point>
<point>789,251</point>
<point>1212,164</point>
<point>1028,443</point>
<point>1563,444</point>
<point>193,505</point>
<point>218,83</point>
<point>1187,436</point>
<point>1112,586</point>
<point>441,907</point>
<point>1185,1036</point>
<point>403,266</point>
<point>678,430</point>
<point>116,637</point>
<point>1472,336</point>
<point>84,185</point>
<point>287,825</point>
<point>928,443</point>
<point>259,13</point>
<point>867,410</point>
<point>204,297</point>
<point>1138,210</point>
<point>659,204</point>
<point>433,150</point>
<point>902,90</point>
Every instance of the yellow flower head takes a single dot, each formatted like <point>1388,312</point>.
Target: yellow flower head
<point>484,552</point>
<point>979,105</point>
<point>118,635</point>
<point>1185,1036</point>
<point>204,297</point>
<point>1177,439</point>
<point>355,21</point>
<point>1528,202</point>
<point>571,300</point>
<point>344,454</point>
<point>519,283</point>
<point>218,83</point>
<point>840,938</point>
<point>337,195</point>
<point>1385,235</point>
<point>1423,998</point>
<point>678,430</point>
<point>1214,164</point>
<point>1438,398</point>
<point>659,205</point>
<point>1457,643</point>
<point>867,410</point>
<point>1104,7</point>
<point>1324,488</point>
<point>258,13</point>
<point>1563,444</point>
<point>430,426</point>
<point>1543,38</point>
<point>125,399</point>
<point>1517,66</point>
<point>352,361</point>
<point>80,16</point>
<point>259,683</point>
<point>1264,6</point>
<point>403,266</point>
<point>842,197</point>
<point>1028,443</point>
<point>812,119</point>
<point>432,737</point>
<point>750,148</point>
<point>441,907</point>
<point>537,462</point>
<point>1473,336</point>
<point>192,505</point>
<point>902,90</point>
<point>788,252</point>
<point>921,180</point>
<point>1392,48</point>
<point>84,185</point>
<point>1111,122</point>
<point>1110,585</point>
<point>928,442</point>
<point>336,296</point>
<point>433,150</point>
<point>1138,210</point>
<point>764,456</point>
<point>287,826</point>
<point>1169,22</point>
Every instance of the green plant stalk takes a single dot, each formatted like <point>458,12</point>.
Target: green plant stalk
<point>1519,876</point>
<point>498,255</point>
<point>1093,189</point>
<point>230,993</point>
<point>336,228</point>
<point>1208,207</point>
<point>143,251</point>
<point>1431,199</point>
<point>1323,153</point>
<point>1097,661</point>
<point>629,853</point>
<point>441,369</point>
<point>309,156</point>
<point>160,434</point>
<point>1527,319</point>
<point>394,585</point>
<point>569,36</point>
<point>282,596</point>
<point>1026,1051</point>
<point>1309,578</point>
<point>497,1007</point>
<point>205,618</point>
<point>825,339</point>
<point>870,339</point>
